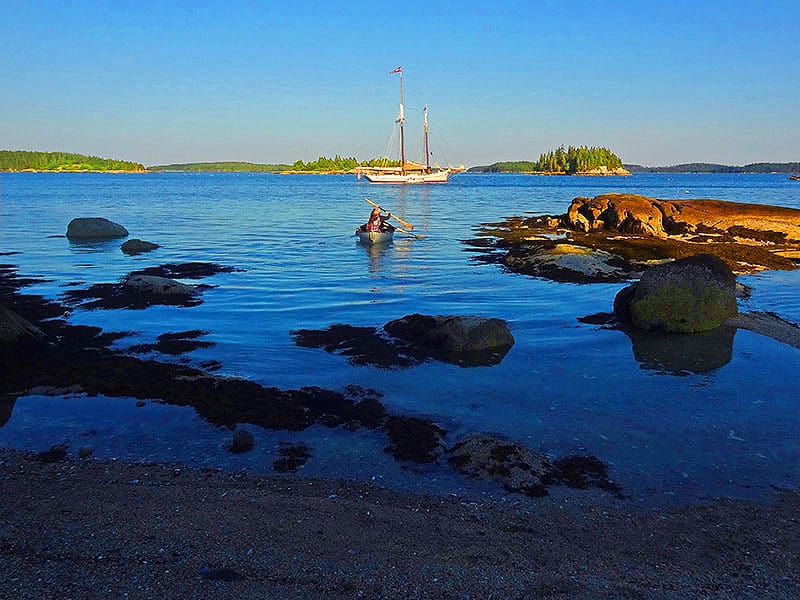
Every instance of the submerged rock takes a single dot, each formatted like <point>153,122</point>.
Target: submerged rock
<point>689,295</point>
<point>415,439</point>
<point>94,228</point>
<point>158,286</point>
<point>518,468</point>
<point>137,246</point>
<point>243,441</point>
<point>292,457</point>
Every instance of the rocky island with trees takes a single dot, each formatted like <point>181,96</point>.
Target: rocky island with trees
<point>573,160</point>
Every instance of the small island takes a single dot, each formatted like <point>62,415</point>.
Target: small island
<point>580,160</point>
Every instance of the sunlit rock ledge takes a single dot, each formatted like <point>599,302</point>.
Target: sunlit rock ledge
<point>614,237</point>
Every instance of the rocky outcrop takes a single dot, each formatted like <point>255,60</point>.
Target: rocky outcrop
<point>689,295</point>
<point>630,213</point>
<point>615,237</point>
<point>451,334</point>
<point>770,325</point>
<point>137,246</point>
<point>94,228</point>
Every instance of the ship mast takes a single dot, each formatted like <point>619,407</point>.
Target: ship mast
<point>401,119</point>
<point>425,129</point>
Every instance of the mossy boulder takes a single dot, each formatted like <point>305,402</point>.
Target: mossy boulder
<point>689,295</point>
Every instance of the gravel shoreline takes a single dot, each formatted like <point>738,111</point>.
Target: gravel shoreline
<point>107,529</point>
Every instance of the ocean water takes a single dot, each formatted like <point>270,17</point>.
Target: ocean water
<point>669,434</point>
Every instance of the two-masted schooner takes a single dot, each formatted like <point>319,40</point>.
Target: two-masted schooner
<point>408,171</point>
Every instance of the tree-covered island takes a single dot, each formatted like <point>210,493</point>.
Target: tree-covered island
<point>580,160</point>
<point>23,160</point>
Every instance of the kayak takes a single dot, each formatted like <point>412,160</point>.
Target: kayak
<point>374,237</point>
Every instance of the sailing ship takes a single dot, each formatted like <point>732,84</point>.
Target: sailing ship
<point>408,171</point>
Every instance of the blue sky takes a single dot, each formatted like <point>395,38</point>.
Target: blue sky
<point>658,83</point>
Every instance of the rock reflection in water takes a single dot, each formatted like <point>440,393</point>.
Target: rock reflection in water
<point>673,353</point>
<point>682,353</point>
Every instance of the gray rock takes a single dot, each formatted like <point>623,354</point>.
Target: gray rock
<point>452,333</point>
<point>153,285</point>
<point>14,328</point>
<point>518,468</point>
<point>85,452</point>
<point>688,295</point>
<point>94,228</point>
<point>137,246</point>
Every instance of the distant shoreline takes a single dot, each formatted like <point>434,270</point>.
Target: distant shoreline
<point>115,171</point>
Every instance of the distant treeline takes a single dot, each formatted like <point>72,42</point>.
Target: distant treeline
<point>322,165</point>
<point>793,167</point>
<point>519,166</point>
<point>568,161</point>
<point>238,167</point>
<point>337,163</point>
<point>21,160</point>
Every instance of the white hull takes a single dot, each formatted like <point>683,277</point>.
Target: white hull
<point>436,177</point>
<point>374,237</point>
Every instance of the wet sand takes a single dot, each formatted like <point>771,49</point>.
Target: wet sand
<point>102,529</point>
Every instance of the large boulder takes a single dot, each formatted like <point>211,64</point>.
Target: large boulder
<point>94,228</point>
<point>688,295</point>
<point>452,334</point>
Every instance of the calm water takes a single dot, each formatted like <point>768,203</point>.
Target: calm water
<point>668,435</point>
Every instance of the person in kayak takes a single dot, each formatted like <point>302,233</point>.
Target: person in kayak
<point>377,222</point>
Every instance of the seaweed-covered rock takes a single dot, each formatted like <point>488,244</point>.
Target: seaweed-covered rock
<point>568,263</point>
<point>688,295</point>
<point>414,439</point>
<point>94,228</point>
<point>452,333</point>
<point>518,468</point>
